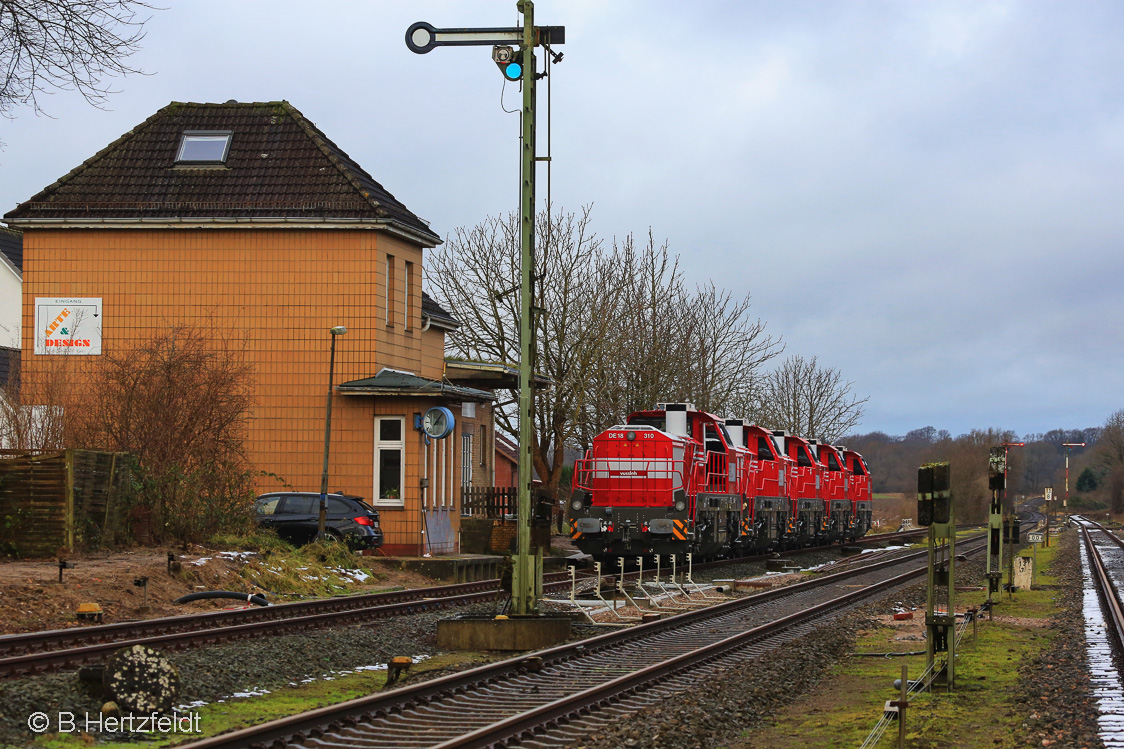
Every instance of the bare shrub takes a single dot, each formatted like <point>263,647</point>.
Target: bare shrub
<point>179,403</point>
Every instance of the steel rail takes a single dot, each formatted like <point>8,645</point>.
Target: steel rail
<point>1108,591</point>
<point>16,650</point>
<point>30,642</point>
<point>321,721</point>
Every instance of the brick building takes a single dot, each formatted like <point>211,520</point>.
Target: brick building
<point>248,218</point>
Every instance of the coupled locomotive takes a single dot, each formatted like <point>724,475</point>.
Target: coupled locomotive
<point>674,479</point>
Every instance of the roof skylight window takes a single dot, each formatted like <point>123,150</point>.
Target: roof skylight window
<point>204,147</point>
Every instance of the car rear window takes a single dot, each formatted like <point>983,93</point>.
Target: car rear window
<point>267,506</point>
<point>298,505</point>
<point>339,507</point>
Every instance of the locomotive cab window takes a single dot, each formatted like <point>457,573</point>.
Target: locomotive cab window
<point>649,421</point>
<point>832,463</point>
<point>802,458</point>
<point>857,467</point>
<point>763,451</point>
<point>713,440</point>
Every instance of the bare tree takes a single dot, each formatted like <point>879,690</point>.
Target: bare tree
<point>723,352</point>
<point>476,276</point>
<point>644,338</point>
<point>802,397</point>
<point>617,330</point>
<point>68,45</point>
<point>1109,456</point>
<point>179,402</point>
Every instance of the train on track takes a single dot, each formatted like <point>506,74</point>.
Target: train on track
<point>676,480</point>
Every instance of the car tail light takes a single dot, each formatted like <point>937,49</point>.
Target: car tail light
<point>364,520</point>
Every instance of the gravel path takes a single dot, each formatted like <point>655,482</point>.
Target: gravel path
<point>1054,693</point>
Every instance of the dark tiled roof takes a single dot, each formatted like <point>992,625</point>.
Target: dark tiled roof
<point>437,312</point>
<point>11,244</point>
<point>279,166</point>
<point>393,382</point>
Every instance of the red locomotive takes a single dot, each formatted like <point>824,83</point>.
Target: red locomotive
<point>674,480</point>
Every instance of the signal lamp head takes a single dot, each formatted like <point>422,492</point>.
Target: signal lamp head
<point>509,61</point>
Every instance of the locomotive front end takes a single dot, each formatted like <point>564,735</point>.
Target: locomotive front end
<point>632,494</point>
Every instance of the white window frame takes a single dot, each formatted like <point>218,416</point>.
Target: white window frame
<point>406,295</point>
<point>466,460</point>
<point>400,500</point>
<point>389,291</point>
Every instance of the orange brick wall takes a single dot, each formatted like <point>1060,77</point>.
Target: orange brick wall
<point>283,289</point>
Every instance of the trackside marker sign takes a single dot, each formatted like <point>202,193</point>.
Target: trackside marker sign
<point>68,326</point>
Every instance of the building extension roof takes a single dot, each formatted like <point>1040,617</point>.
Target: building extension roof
<point>437,314</point>
<point>395,382</point>
<point>235,162</point>
<point>490,375</point>
<point>11,247</point>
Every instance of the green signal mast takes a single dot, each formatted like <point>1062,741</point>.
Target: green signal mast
<point>515,65</point>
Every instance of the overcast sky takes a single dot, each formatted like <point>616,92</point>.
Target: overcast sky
<point>928,196</point>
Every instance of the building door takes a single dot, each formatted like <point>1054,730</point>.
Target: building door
<point>439,498</point>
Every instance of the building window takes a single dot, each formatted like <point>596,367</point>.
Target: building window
<point>390,286</point>
<point>468,410</point>
<point>409,286</point>
<point>483,446</point>
<point>466,460</point>
<point>204,147</point>
<point>390,460</point>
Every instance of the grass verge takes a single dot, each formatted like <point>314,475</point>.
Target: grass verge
<point>979,712</point>
<point>242,712</point>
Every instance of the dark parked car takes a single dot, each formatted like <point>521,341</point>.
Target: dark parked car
<point>295,516</point>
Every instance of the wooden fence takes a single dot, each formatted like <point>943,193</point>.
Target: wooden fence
<point>62,500</point>
<point>488,501</point>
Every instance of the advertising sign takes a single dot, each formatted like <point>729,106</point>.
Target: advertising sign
<point>68,326</point>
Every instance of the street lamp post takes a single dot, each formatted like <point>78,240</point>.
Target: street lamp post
<point>1065,505</point>
<point>322,519</point>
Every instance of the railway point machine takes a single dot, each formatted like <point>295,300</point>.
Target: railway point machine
<point>935,511</point>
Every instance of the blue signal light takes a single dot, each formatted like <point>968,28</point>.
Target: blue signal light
<point>513,71</point>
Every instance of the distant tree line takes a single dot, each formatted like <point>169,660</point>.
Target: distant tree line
<point>1096,471</point>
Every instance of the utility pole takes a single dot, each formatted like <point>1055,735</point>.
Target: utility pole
<point>526,579</point>
<point>1065,504</point>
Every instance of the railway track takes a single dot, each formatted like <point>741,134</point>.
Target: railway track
<point>38,652</point>
<point>552,697</point>
<point>1103,564</point>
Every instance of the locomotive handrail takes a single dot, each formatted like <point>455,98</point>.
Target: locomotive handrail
<point>624,473</point>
